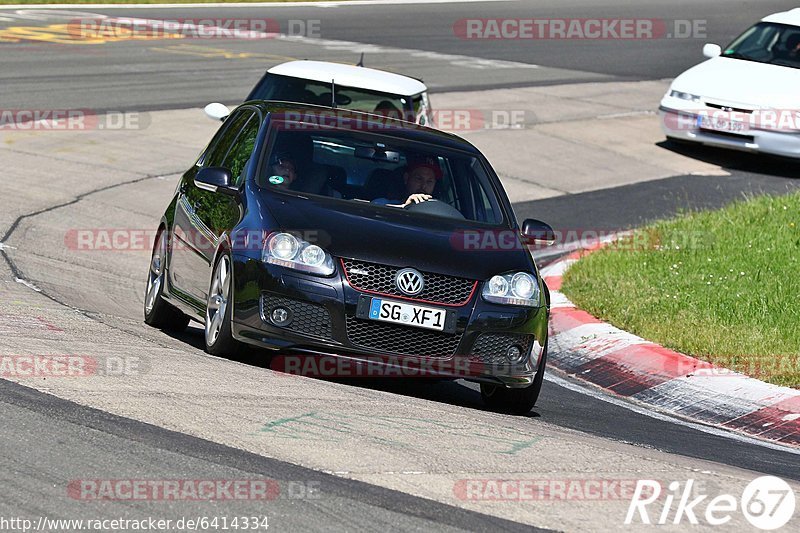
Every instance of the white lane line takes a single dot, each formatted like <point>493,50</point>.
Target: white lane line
<point>361,3</point>
<point>28,284</point>
<point>626,114</point>
<point>603,396</point>
<point>355,47</point>
<point>454,59</point>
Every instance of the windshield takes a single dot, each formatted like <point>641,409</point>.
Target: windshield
<point>767,42</point>
<point>289,89</point>
<point>380,171</point>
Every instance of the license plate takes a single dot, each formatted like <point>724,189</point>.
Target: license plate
<point>407,314</point>
<point>721,124</point>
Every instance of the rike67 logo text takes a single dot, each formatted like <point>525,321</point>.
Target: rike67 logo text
<point>767,503</point>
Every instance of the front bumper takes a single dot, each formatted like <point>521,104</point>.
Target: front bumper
<point>325,323</point>
<point>681,125</point>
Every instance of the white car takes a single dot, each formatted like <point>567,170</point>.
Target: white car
<point>343,86</point>
<point>746,97</point>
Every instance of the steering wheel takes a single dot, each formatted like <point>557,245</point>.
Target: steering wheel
<point>435,207</point>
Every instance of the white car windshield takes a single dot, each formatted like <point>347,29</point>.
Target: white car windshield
<point>289,89</point>
<point>768,42</point>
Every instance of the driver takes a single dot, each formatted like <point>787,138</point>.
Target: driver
<point>793,46</point>
<point>420,180</point>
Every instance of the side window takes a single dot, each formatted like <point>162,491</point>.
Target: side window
<point>445,188</point>
<point>485,208</point>
<point>242,149</point>
<point>472,185</point>
<point>216,154</point>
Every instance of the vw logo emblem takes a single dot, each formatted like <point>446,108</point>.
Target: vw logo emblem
<point>409,281</point>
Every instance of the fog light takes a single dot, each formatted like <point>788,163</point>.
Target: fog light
<point>280,316</point>
<point>514,353</point>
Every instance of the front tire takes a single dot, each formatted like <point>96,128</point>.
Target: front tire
<point>157,312</point>
<point>218,335</point>
<point>515,401</point>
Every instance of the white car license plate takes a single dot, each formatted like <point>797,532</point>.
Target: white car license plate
<point>407,314</point>
<point>721,124</point>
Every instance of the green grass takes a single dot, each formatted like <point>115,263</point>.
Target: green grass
<point>722,286</point>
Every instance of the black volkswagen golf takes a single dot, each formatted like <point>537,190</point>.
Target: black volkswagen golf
<point>328,233</point>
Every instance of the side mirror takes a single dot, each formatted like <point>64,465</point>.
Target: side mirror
<point>711,50</point>
<point>217,111</point>
<point>216,179</point>
<point>538,233</point>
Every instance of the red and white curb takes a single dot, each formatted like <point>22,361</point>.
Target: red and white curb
<point>596,352</point>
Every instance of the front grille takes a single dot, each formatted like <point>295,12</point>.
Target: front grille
<point>491,348</point>
<point>439,288</point>
<point>729,134</point>
<point>391,338</point>
<point>729,108</point>
<point>307,318</point>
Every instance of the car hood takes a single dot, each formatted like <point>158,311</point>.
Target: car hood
<point>396,237</point>
<point>742,83</point>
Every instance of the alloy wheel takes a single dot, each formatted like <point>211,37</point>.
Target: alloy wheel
<point>218,300</point>
<point>155,278</point>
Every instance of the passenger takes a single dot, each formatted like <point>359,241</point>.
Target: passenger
<point>283,171</point>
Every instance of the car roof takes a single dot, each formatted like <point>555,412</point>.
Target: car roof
<point>791,17</point>
<point>351,76</point>
<point>380,124</point>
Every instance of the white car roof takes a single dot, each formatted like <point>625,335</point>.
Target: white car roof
<point>785,17</point>
<point>351,76</point>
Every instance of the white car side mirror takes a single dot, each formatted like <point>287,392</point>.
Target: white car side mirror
<point>217,111</point>
<point>711,50</point>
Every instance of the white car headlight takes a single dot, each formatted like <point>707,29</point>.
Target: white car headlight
<point>519,288</point>
<point>286,250</point>
<point>283,246</point>
<point>685,96</point>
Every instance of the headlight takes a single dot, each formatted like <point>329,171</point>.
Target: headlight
<point>283,246</point>
<point>684,96</point>
<point>286,250</point>
<point>520,288</point>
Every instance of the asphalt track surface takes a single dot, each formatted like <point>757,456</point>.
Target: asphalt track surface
<point>77,436</point>
<point>27,468</point>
